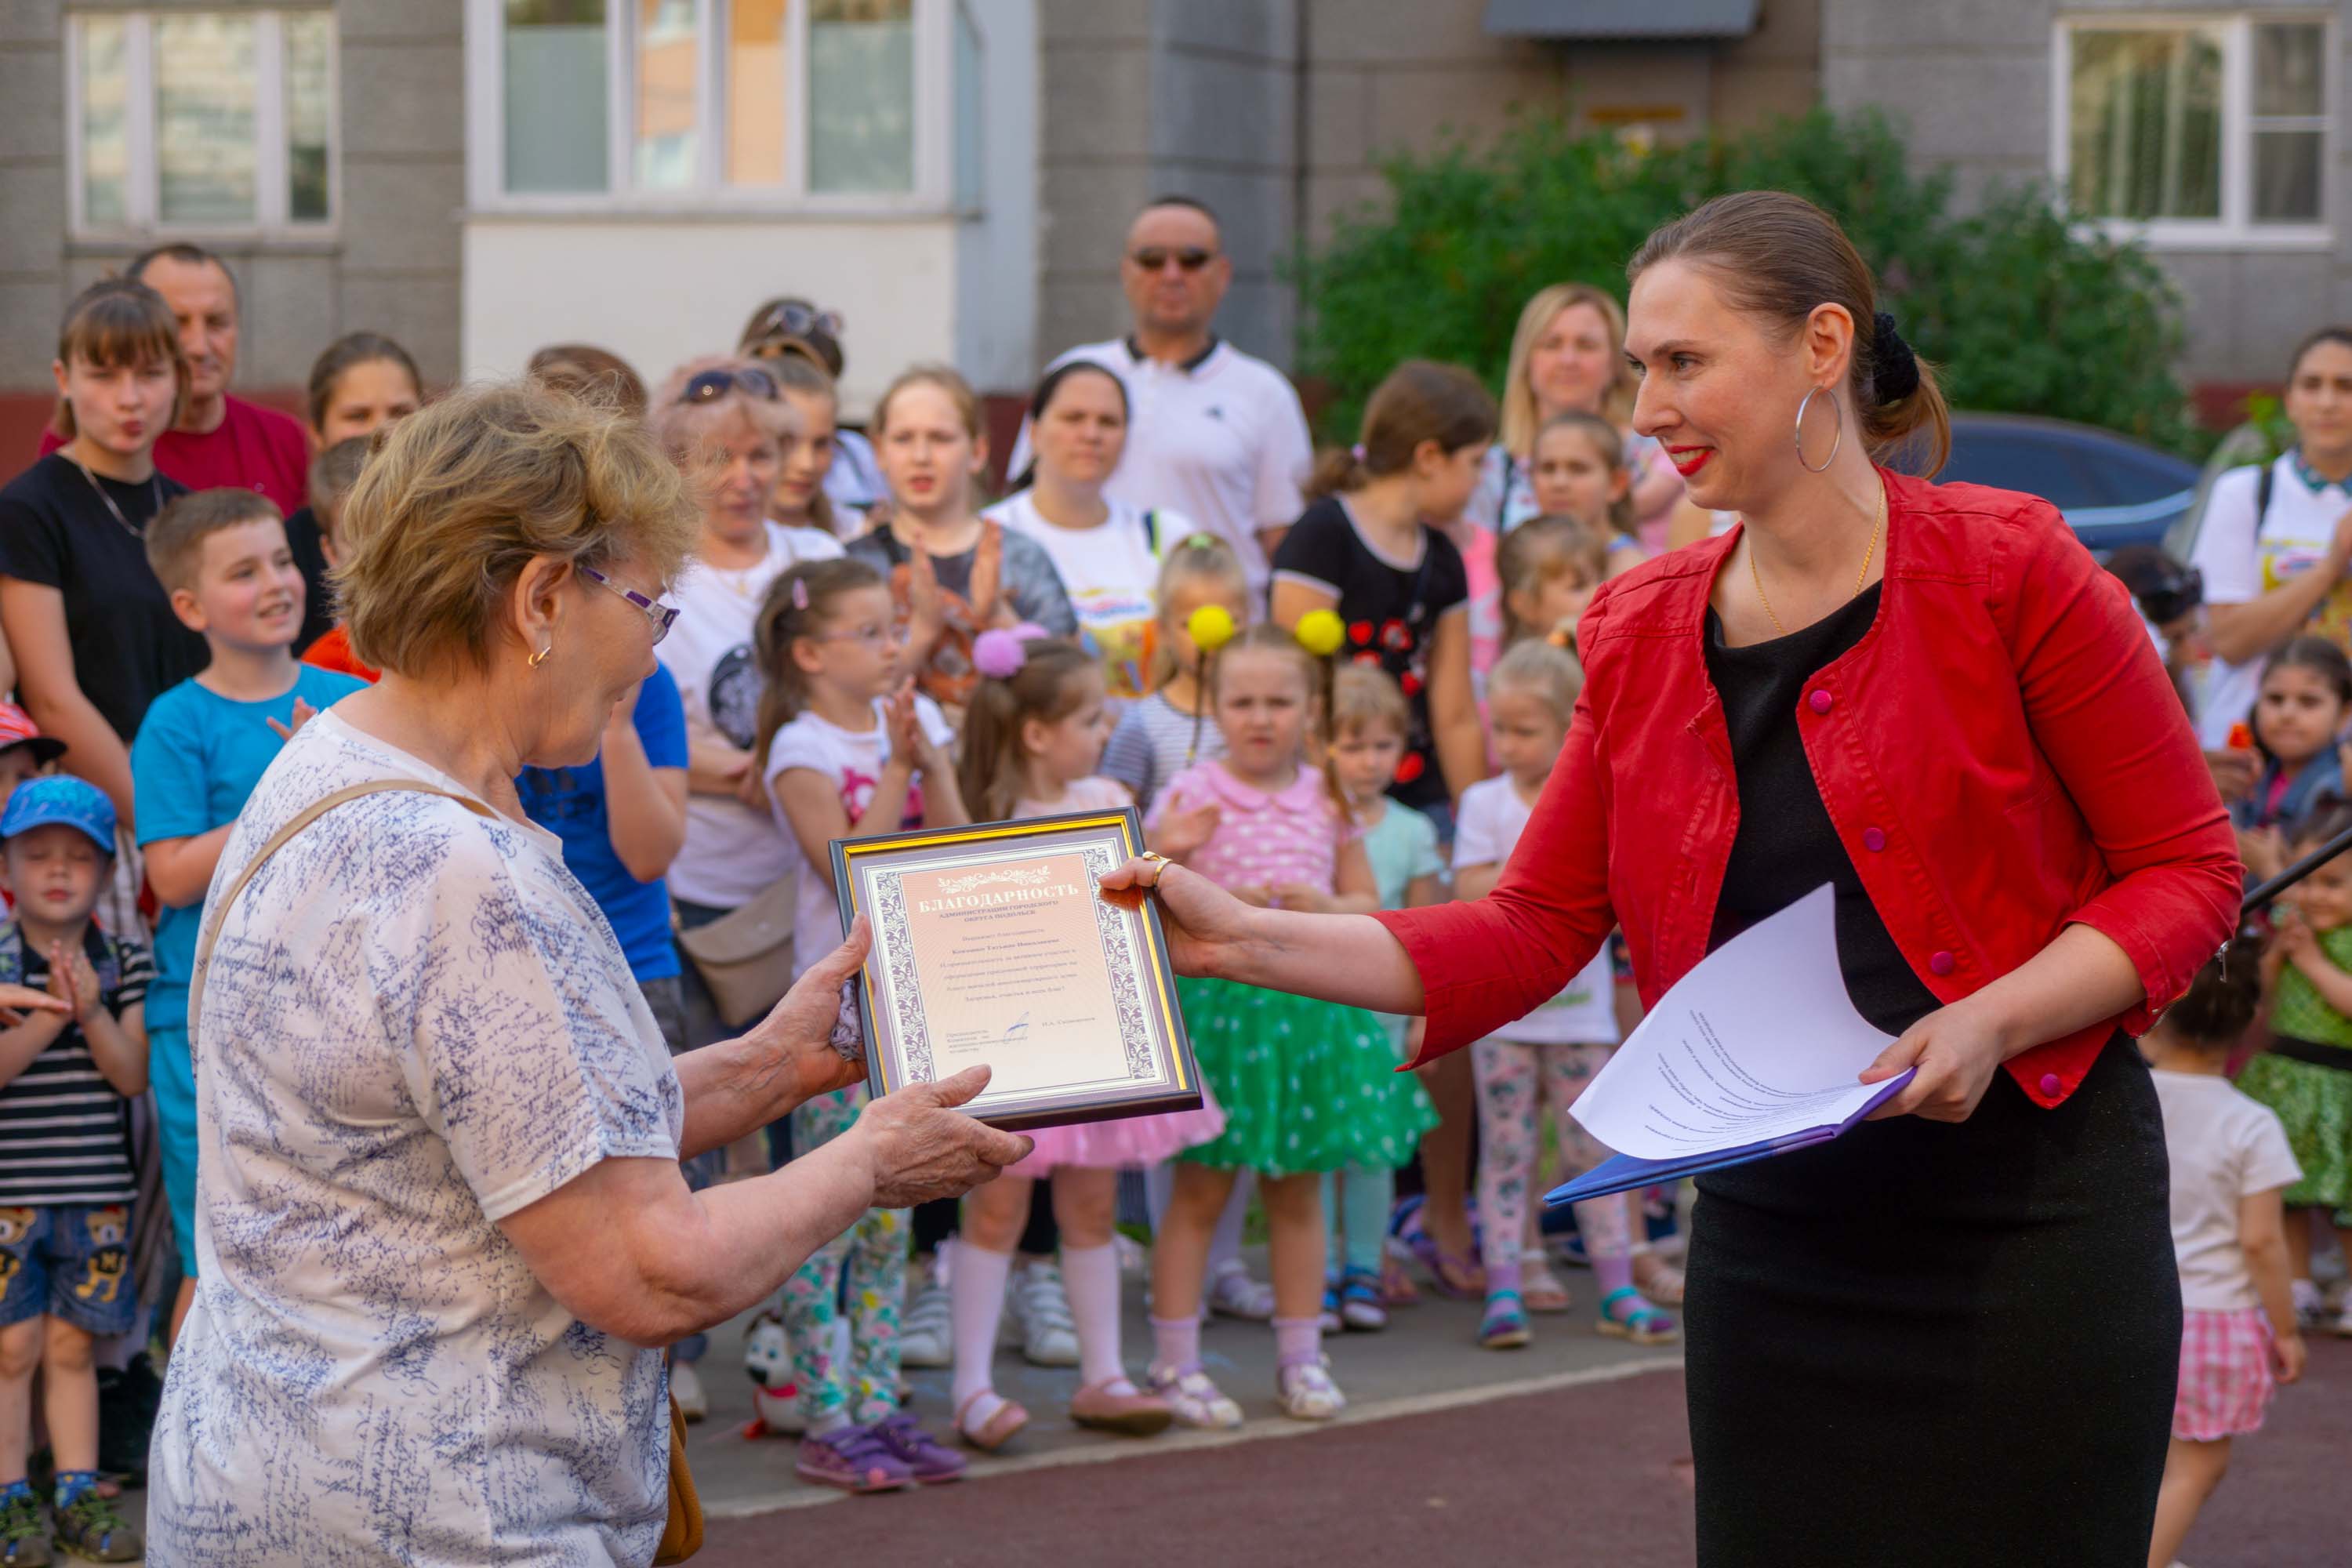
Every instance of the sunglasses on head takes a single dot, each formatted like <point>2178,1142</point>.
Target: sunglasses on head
<point>795,319</point>
<point>1154,258</point>
<point>713,385</point>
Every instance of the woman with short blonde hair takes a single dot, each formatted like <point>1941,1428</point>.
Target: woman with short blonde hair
<point>441,1228</point>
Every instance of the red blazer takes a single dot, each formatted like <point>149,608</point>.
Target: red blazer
<point>2002,755</point>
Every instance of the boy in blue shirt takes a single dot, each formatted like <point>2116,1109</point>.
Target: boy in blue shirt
<point>622,818</point>
<point>222,555</point>
<point>67,1182</point>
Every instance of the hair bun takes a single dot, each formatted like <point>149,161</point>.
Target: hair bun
<point>1897,373</point>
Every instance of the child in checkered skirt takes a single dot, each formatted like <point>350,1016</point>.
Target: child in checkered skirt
<point>2231,1163</point>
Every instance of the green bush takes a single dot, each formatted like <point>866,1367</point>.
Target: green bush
<point>2023,311</point>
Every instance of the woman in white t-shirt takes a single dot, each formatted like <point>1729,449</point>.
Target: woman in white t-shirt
<point>2277,538</point>
<point>727,416</point>
<point>1108,553</point>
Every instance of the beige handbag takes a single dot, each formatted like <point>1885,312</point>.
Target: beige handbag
<point>682,1531</point>
<point>745,956</point>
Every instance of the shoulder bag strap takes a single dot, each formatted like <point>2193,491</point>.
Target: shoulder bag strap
<point>218,913</point>
<point>2263,494</point>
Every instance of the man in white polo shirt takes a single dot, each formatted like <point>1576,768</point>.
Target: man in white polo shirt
<point>1212,432</point>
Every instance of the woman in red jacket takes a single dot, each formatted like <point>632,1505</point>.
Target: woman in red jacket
<point>1951,1336</point>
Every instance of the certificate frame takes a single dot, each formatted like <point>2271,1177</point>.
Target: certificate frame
<point>1119,1050</point>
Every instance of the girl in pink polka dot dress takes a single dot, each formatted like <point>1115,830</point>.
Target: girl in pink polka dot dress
<point>1307,1086</point>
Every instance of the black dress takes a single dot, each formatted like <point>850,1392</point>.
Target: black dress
<point>1924,1342</point>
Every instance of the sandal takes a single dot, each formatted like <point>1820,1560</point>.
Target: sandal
<point>1627,1316</point>
<point>1193,1399</point>
<point>1660,1281</point>
<point>1539,1288</point>
<point>1235,1295</point>
<point>1397,1289</point>
<point>1003,1423</point>
<point>1505,1327</point>
<point>1332,1322</point>
<point>1359,1302</point>
<point>1105,1409</point>
<point>1452,1276</point>
<point>1306,1391</point>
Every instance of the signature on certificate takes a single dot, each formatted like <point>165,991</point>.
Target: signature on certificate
<point>1016,1032</point>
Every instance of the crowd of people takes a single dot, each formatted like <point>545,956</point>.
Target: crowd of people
<point>1334,682</point>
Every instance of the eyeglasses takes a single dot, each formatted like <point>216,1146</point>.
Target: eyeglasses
<point>1155,259</point>
<point>800,320</point>
<point>713,385</point>
<point>663,617</point>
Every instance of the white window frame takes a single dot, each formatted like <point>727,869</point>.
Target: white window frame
<point>142,199</point>
<point>2236,228</point>
<point>934,88</point>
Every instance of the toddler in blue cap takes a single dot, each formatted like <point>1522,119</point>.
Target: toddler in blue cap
<point>67,1180</point>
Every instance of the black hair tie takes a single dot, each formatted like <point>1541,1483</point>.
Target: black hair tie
<point>1896,375</point>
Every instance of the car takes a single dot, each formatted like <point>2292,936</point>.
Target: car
<point>2112,490</point>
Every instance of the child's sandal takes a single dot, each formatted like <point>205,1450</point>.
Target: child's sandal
<point>1505,1327</point>
<point>1306,1391</point>
<point>1539,1288</point>
<point>1359,1302</point>
<point>1003,1423</point>
<point>1627,1316</point>
<point>1194,1399</point>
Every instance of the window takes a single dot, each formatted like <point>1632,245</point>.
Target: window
<point>834,104</point>
<point>2198,129</point>
<point>203,121</point>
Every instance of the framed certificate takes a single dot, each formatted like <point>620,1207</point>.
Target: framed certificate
<point>992,944</point>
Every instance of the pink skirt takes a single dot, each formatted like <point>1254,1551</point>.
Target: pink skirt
<point>2226,1382</point>
<point>1127,1144</point>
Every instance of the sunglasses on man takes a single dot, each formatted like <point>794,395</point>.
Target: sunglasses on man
<point>1155,259</point>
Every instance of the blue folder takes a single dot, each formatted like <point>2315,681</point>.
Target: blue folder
<point>1622,1172</point>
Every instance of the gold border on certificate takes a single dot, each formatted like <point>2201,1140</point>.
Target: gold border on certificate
<point>1143,1065</point>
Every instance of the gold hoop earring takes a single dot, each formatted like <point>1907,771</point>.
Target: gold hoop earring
<point>541,656</point>
<point>1839,441</point>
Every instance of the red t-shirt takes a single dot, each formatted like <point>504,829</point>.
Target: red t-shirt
<point>333,651</point>
<point>253,449</point>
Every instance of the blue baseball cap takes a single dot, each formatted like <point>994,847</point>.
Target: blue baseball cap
<point>64,800</point>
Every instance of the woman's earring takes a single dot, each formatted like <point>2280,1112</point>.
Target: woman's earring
<point>541,656</point>
<point>1836,408</point>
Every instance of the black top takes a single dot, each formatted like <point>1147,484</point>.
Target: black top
<point>1392,611</point>
<point>1786,846</point>
<point>302,537</point>
<point>128,646</point>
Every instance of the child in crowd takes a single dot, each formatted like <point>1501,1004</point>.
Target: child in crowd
<point>849,747</point>
<point>1551,566</point>
<point>1370,547</point>
<point>65,1196</point>
<point>583,370</point>
<point>1579,471</point>
<point>333,472</point>
<point>94,633</point>
<point>952,574</point>
<point>2306,1075</point>
<point>1031,746</point>
<point>1369,722</point>
<point>1549,1056</point>
<point>1307,1086</point>
<point>809,451</point>
<point>2299,710</point>
<point>24,753</point>
<point>2229,1160</point>
<point>1165,733</point>
<point>224,556</point>
<point>358,383</point>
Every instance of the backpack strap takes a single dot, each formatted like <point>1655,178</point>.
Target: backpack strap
<point>2262,493</point>
<point>216,912</point>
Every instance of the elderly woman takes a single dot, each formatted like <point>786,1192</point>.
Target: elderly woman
<point>440,1222</point>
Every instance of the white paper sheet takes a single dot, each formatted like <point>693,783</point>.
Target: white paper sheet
<point>1760,1041</point>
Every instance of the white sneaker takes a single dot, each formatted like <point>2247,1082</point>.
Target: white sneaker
<point>685,1388</point>
<point>2310,1304</point>
<point>926,1333</point>
<point>1040,1311</point>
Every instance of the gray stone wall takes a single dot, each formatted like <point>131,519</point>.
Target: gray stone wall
<point>392,264</point>
<point>1971,79</point>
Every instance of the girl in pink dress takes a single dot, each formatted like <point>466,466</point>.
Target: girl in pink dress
<point>1033,739</point>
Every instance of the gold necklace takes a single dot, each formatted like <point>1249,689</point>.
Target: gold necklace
<point>1859,578</point>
